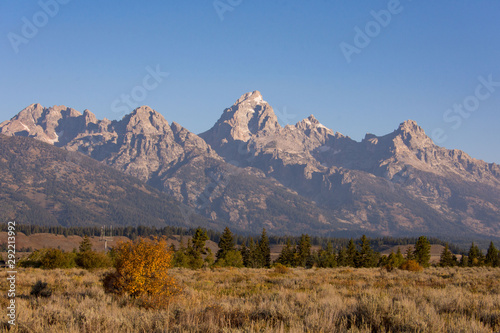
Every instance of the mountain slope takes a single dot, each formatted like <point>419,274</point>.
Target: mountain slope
<point>42,184</point>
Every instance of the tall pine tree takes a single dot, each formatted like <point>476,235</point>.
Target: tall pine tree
<point>476,256</point>
<point>492,256</point>
<point>265,250</point>
<point>423,251</point>
<point>446,258</point>
<point>352,254</point>
<point>226,244</point>
<point>199,238</point>
<point>303,250</point>
<point>366,257</point>
<point>286,256</point>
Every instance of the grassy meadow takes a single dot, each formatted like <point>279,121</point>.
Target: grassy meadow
<point>268,300</point>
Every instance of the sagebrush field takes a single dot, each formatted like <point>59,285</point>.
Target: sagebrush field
<point>269,300</point>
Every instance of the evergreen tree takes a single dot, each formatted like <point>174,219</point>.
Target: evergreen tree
<point>385,261</point>
<point>326,258</point>
<point>398,259</point>
<point>194,258</point>
<point>232,259</point>
<point>476,257</point>
<point>199,238</point>
<point>492,256</point>
<point>286,256</point>
<point>303,250</point>
<point>352,254</point>
<point>253,254</point>
<point>226,244</point>
<point>244,254</point>
<point>85,245</point>
<point>423,251</point>
<point>446,258</point>
<point>265,250</point>
<point>464,260</point>
<point>409,253</point>
<point>342,257</point>
<point>88,259</point>
<point>180,258</point>
<point>366,257</point>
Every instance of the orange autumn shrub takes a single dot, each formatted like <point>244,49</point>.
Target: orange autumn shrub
<point>412,266</point>
<point>142,272</point>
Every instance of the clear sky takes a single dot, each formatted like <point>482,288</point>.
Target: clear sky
<point>358,66</point>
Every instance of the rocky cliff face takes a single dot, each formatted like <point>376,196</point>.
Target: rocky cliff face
<point>251,172</point>
<point>400,182</point>
<point>142,144</point>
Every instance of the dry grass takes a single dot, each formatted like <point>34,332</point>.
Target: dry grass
<point>266,300</point>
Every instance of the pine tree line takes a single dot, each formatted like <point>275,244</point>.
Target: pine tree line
<point>256,254</point>
<point>473,258</point>
<point>131,232</point>
<point>296,250</point>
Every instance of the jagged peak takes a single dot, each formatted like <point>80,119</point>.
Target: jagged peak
<point>89,117</point>
<point>144,109</point>
<point>313,119</point>
<point>33,111</point>
<point>61,110</point>
<point>34,106</point>
<point>409,126</point>
<point>311,122</point>
<point>146,120</point>
<point>249,115</point>
<point>145,112</point>
<point>36,111</point>
<point>254,96</point>
<point>412,135</point>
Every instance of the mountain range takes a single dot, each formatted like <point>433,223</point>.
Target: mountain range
<point>249,172</point>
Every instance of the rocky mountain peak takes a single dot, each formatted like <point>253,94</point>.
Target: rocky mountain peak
<point>249,115</point>
<point>34,111</point>
<point>313,119</point>
<point>250,97</point>
<point>410,126</point>
<point>38,122</point>
<point>145,120</point>
<point>413,135</point>
<point>311,123</point>
<point>89,117</point>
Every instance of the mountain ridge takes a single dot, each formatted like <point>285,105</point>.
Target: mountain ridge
<point>395,184</point>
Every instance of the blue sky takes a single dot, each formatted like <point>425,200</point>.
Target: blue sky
<point>416,63</point>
